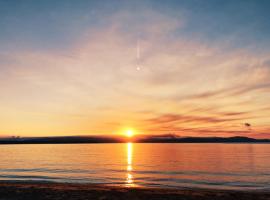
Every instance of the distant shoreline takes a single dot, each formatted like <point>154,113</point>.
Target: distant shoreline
<point>140,143</point>
<point>70,191</point>
<point>145,139</point>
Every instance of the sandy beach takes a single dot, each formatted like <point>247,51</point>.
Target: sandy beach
<point>59,191</point>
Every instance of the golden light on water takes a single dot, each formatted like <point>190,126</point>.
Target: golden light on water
<point>129,179</point>
<point>129,168</point>
<point>129,154</point>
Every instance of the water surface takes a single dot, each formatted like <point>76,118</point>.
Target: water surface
<point>221,166</point>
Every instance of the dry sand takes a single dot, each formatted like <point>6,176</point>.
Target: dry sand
<point>59,191</point>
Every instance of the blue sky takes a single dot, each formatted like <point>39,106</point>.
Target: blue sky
<point>55,24</point>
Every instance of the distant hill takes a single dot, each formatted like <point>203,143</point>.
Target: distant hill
<point>236,139</point>
<point>138,139</point>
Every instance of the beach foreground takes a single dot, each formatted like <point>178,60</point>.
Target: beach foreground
<point>59,191</point>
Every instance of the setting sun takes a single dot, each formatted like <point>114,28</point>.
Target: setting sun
<point>129,133</point>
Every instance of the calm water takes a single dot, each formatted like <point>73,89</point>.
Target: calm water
<point>226,166</point>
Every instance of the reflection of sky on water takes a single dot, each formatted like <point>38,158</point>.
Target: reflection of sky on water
<point>222,166</point>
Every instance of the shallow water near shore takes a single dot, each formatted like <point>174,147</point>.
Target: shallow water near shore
<point>219,166</point>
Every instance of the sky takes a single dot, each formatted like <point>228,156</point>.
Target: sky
<point>185,67</point>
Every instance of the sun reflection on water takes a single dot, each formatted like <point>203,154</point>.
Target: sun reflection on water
<point>129,177</point>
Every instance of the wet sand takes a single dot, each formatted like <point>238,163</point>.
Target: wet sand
<point>59,191</point>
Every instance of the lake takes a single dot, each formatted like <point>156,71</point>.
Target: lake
<point>220,166</point>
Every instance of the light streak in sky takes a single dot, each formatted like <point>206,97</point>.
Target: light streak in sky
<point>138,55</point>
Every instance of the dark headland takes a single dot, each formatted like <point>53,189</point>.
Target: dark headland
<point>138,139</point>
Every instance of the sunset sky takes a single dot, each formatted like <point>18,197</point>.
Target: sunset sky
<point>187,67</point>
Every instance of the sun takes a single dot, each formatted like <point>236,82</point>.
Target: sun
<point>129,133</point>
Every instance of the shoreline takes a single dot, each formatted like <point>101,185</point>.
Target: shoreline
<point>26,190</point>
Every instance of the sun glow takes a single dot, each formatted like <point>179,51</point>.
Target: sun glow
<point>129,133</point>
